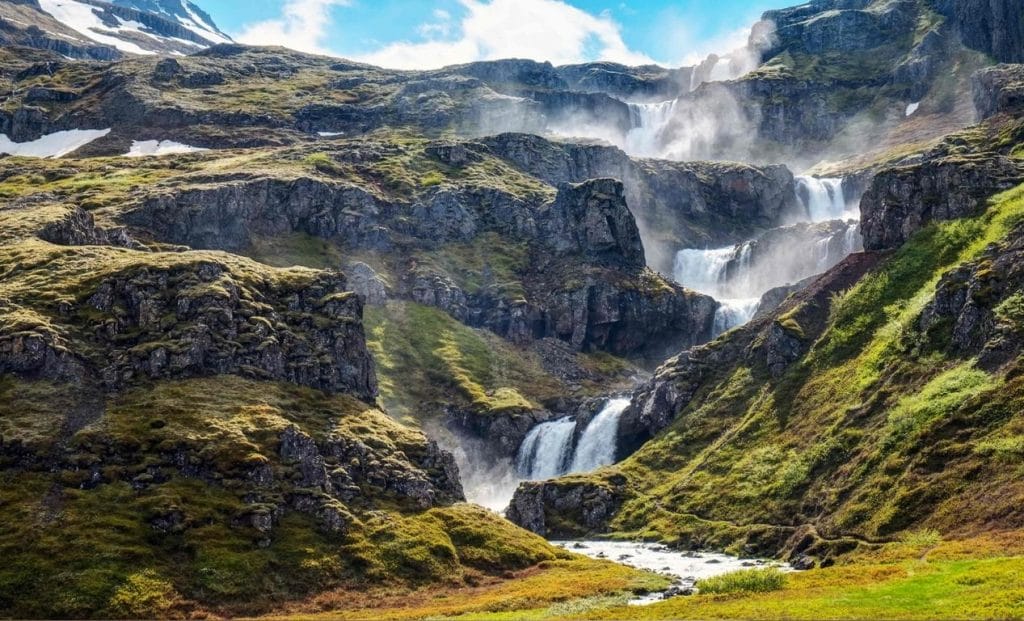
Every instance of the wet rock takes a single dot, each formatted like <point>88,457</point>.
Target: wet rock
<point>678,591</point>
<point>802,562</point>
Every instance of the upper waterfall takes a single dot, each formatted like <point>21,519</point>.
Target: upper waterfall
<point>648,121</point>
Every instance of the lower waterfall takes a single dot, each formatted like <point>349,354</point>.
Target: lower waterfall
<point>597,445</point>
<point>733,313</point>
<point>548,451</point>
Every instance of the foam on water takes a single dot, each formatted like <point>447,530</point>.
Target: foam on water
<point>685,567</point>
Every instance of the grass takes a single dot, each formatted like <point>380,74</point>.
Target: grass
<point>147,541</point>
<point>958,589</point>
<point>744,581</point>
<point>425,357</point>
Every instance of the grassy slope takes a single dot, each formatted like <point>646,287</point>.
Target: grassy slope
<point>75,549</point>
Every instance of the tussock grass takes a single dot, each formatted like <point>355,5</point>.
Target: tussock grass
<point>760,580</point>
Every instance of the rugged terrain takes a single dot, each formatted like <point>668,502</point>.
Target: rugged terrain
<point>239,375</point>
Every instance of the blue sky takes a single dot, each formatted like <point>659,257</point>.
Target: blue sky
<point>427,33</point>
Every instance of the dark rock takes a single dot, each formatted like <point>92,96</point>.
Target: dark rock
<point>991,26</point>
<point>566,508</point>
<point>998,90</point>
<point>902,199</point>
<point>963,317</point>
<point>166,70</point>
<point>802,562</point>
<point>592,219</point>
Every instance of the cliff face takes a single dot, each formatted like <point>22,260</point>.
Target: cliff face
<point>994,27</point>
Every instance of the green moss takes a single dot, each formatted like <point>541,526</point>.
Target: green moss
<point>426,359</point>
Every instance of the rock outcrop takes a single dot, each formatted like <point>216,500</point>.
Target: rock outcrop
<point>990,26</point>
<point>902,199</point>
<point>568,508</point>
<point>201,318</point>
<point>591,219</point>
<point>998,90</point>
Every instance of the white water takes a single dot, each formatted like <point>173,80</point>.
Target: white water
<point>737,280</point>
<point>546,451</point>
<point>822,199</point>
<point>648,121</point>
<point>597,445</point>
<point>685,567</point>
<point>733,313</point>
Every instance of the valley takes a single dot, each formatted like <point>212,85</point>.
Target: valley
<point>288,335</point>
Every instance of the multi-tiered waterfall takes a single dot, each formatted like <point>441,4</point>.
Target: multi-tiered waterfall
<point>737,276</point>
<point>551,449</point>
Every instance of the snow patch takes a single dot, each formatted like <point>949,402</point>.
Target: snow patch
<point>201,27</point>
<point>146,148</point>
<point>82,18</point>
<point>57,144</point>
<point>912,108</point>
<point>330,134</point>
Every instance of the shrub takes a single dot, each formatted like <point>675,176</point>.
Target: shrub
<point>431,179</point>
<point>924,538</point>
<point>744,581</point>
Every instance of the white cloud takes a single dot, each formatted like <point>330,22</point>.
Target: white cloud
<point>303,25</point>
<point>537,29</point>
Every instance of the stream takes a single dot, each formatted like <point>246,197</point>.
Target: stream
<point>685,567</point>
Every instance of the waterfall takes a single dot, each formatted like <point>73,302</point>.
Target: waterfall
<point>703,270</point>
<point>822,199</point>
<point>852,240</point>
<point>648,121</point>
<point>597,445</point>
<point>822,251</point>
<point>546,451</point>
<point>733,313</point>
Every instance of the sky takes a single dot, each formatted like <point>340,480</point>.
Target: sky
<point>422,34</point>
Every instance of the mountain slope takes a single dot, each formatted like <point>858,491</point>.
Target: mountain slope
<point>95,29</point>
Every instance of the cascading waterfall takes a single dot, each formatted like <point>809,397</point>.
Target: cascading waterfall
<point>547,451</point>
<point>822,199</point>
<point>732,314</point>
<point>597,445</point>
<point>731,276</point>
<point>648,120</point>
